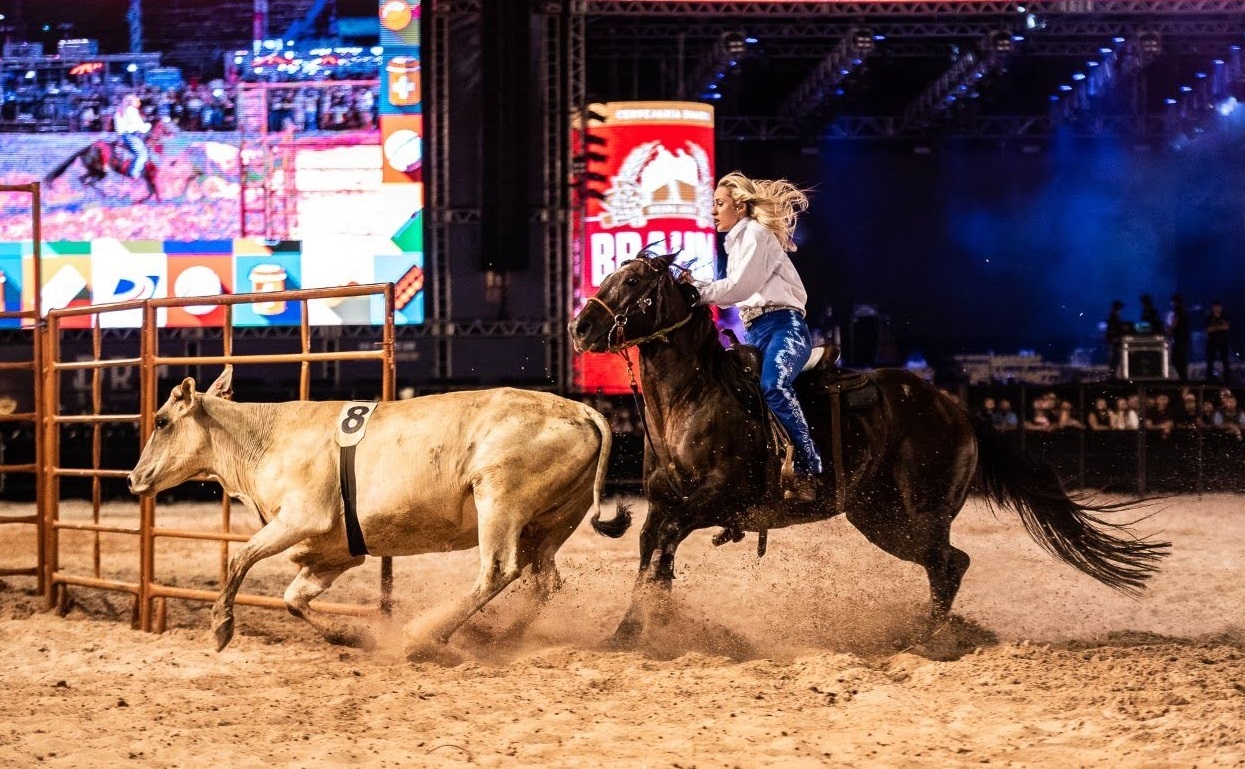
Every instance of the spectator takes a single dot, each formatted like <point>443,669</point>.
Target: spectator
<point>1045,417</point>
<point>986,412</point>
<point>1187,414</point>
<point>1209,416</point>
<point>1231,418</point>
<point>1004,418</point>
<point>1064,420</point>
<point>1099,417</point>
<point>1159,416</point>
<point>1150,322</point>
<point>1181,338</point>
<point>1217,342</point>
<point>1125,417</point>
<point>1114,336</point>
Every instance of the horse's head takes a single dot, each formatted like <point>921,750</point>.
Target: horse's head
<point>639,300</point>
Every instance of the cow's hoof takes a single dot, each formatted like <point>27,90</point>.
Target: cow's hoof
<point>224,633</point>
<point>354,637</point>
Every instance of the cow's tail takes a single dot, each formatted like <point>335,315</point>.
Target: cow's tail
<point>55,173</point>
<point>1069,529</point>
<point>622,519</point>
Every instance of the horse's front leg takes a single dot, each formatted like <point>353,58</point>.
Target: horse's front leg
<point>651,595</point>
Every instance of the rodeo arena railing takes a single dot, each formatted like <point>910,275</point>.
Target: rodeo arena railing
<point>139,577</point>
<point>33,365</point>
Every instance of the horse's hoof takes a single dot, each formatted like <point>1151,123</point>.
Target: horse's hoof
<point>430,651</point>
<point>626,636</point>
<point>727,534</point>
<point>224,633</point>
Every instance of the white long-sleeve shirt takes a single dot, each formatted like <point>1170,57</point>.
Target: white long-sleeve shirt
<point>130,121</point>
<point>759,274</point>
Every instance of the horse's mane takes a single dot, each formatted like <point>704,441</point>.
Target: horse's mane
<point>715,361</point>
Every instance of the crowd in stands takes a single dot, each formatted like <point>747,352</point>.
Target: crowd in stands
<point>1184,409</point>
<point>206,107</point>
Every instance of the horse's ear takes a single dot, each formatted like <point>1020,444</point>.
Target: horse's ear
<point>664,262</point>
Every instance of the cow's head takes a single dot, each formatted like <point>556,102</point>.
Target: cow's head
<point>178,448</point>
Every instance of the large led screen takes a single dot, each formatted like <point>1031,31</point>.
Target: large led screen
<point>335,199</point>
<point>654,160</point>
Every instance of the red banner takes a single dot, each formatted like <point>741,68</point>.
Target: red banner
<point>653,166</point>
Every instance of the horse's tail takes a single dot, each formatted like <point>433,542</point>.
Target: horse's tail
<point>1069,529</point>
<point>55,173</point>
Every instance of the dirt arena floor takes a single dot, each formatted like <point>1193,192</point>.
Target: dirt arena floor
<point>808,657</point>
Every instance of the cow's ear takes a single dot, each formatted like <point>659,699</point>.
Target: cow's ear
<point>184,392</point>
<point>223,386</point>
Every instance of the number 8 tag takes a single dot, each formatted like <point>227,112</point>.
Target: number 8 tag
<point>352,422</point>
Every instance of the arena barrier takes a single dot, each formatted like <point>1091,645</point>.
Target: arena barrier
<point>137,575</point>
<point>33,365</point>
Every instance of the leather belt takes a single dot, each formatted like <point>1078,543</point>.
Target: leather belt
<point>750,314</point>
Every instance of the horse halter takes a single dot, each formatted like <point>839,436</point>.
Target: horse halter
<point>640,305</point>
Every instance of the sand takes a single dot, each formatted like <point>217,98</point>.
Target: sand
<point>811,656</point>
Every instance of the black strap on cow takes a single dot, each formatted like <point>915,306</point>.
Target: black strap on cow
<point>354,533</point>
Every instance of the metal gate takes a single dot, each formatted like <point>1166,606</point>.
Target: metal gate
<point>137,573</point>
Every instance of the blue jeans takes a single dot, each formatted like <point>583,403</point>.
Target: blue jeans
<point>785,344</point>
<point>134,143</point>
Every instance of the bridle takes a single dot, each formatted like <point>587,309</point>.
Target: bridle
<point>640,305</point>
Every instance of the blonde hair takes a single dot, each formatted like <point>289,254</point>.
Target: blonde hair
<point>774,203</point>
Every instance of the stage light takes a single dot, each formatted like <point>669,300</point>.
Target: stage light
<point>1170,102</point>
<point>1001,41</point>
<point>751,40</point>
<point>1078,75</point>
<point>734,43</point>
<point>1150,43</point>
<point>1227,106</point>
<point>863,40</point>
<point>131,68</point>
<point>377,50</point>
<point>1065,87</point>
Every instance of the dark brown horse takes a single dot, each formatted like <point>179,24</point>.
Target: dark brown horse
<point>908,454</point>
<point>100,156</point>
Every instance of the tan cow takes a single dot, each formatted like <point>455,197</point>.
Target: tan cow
<point>512,471</point>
